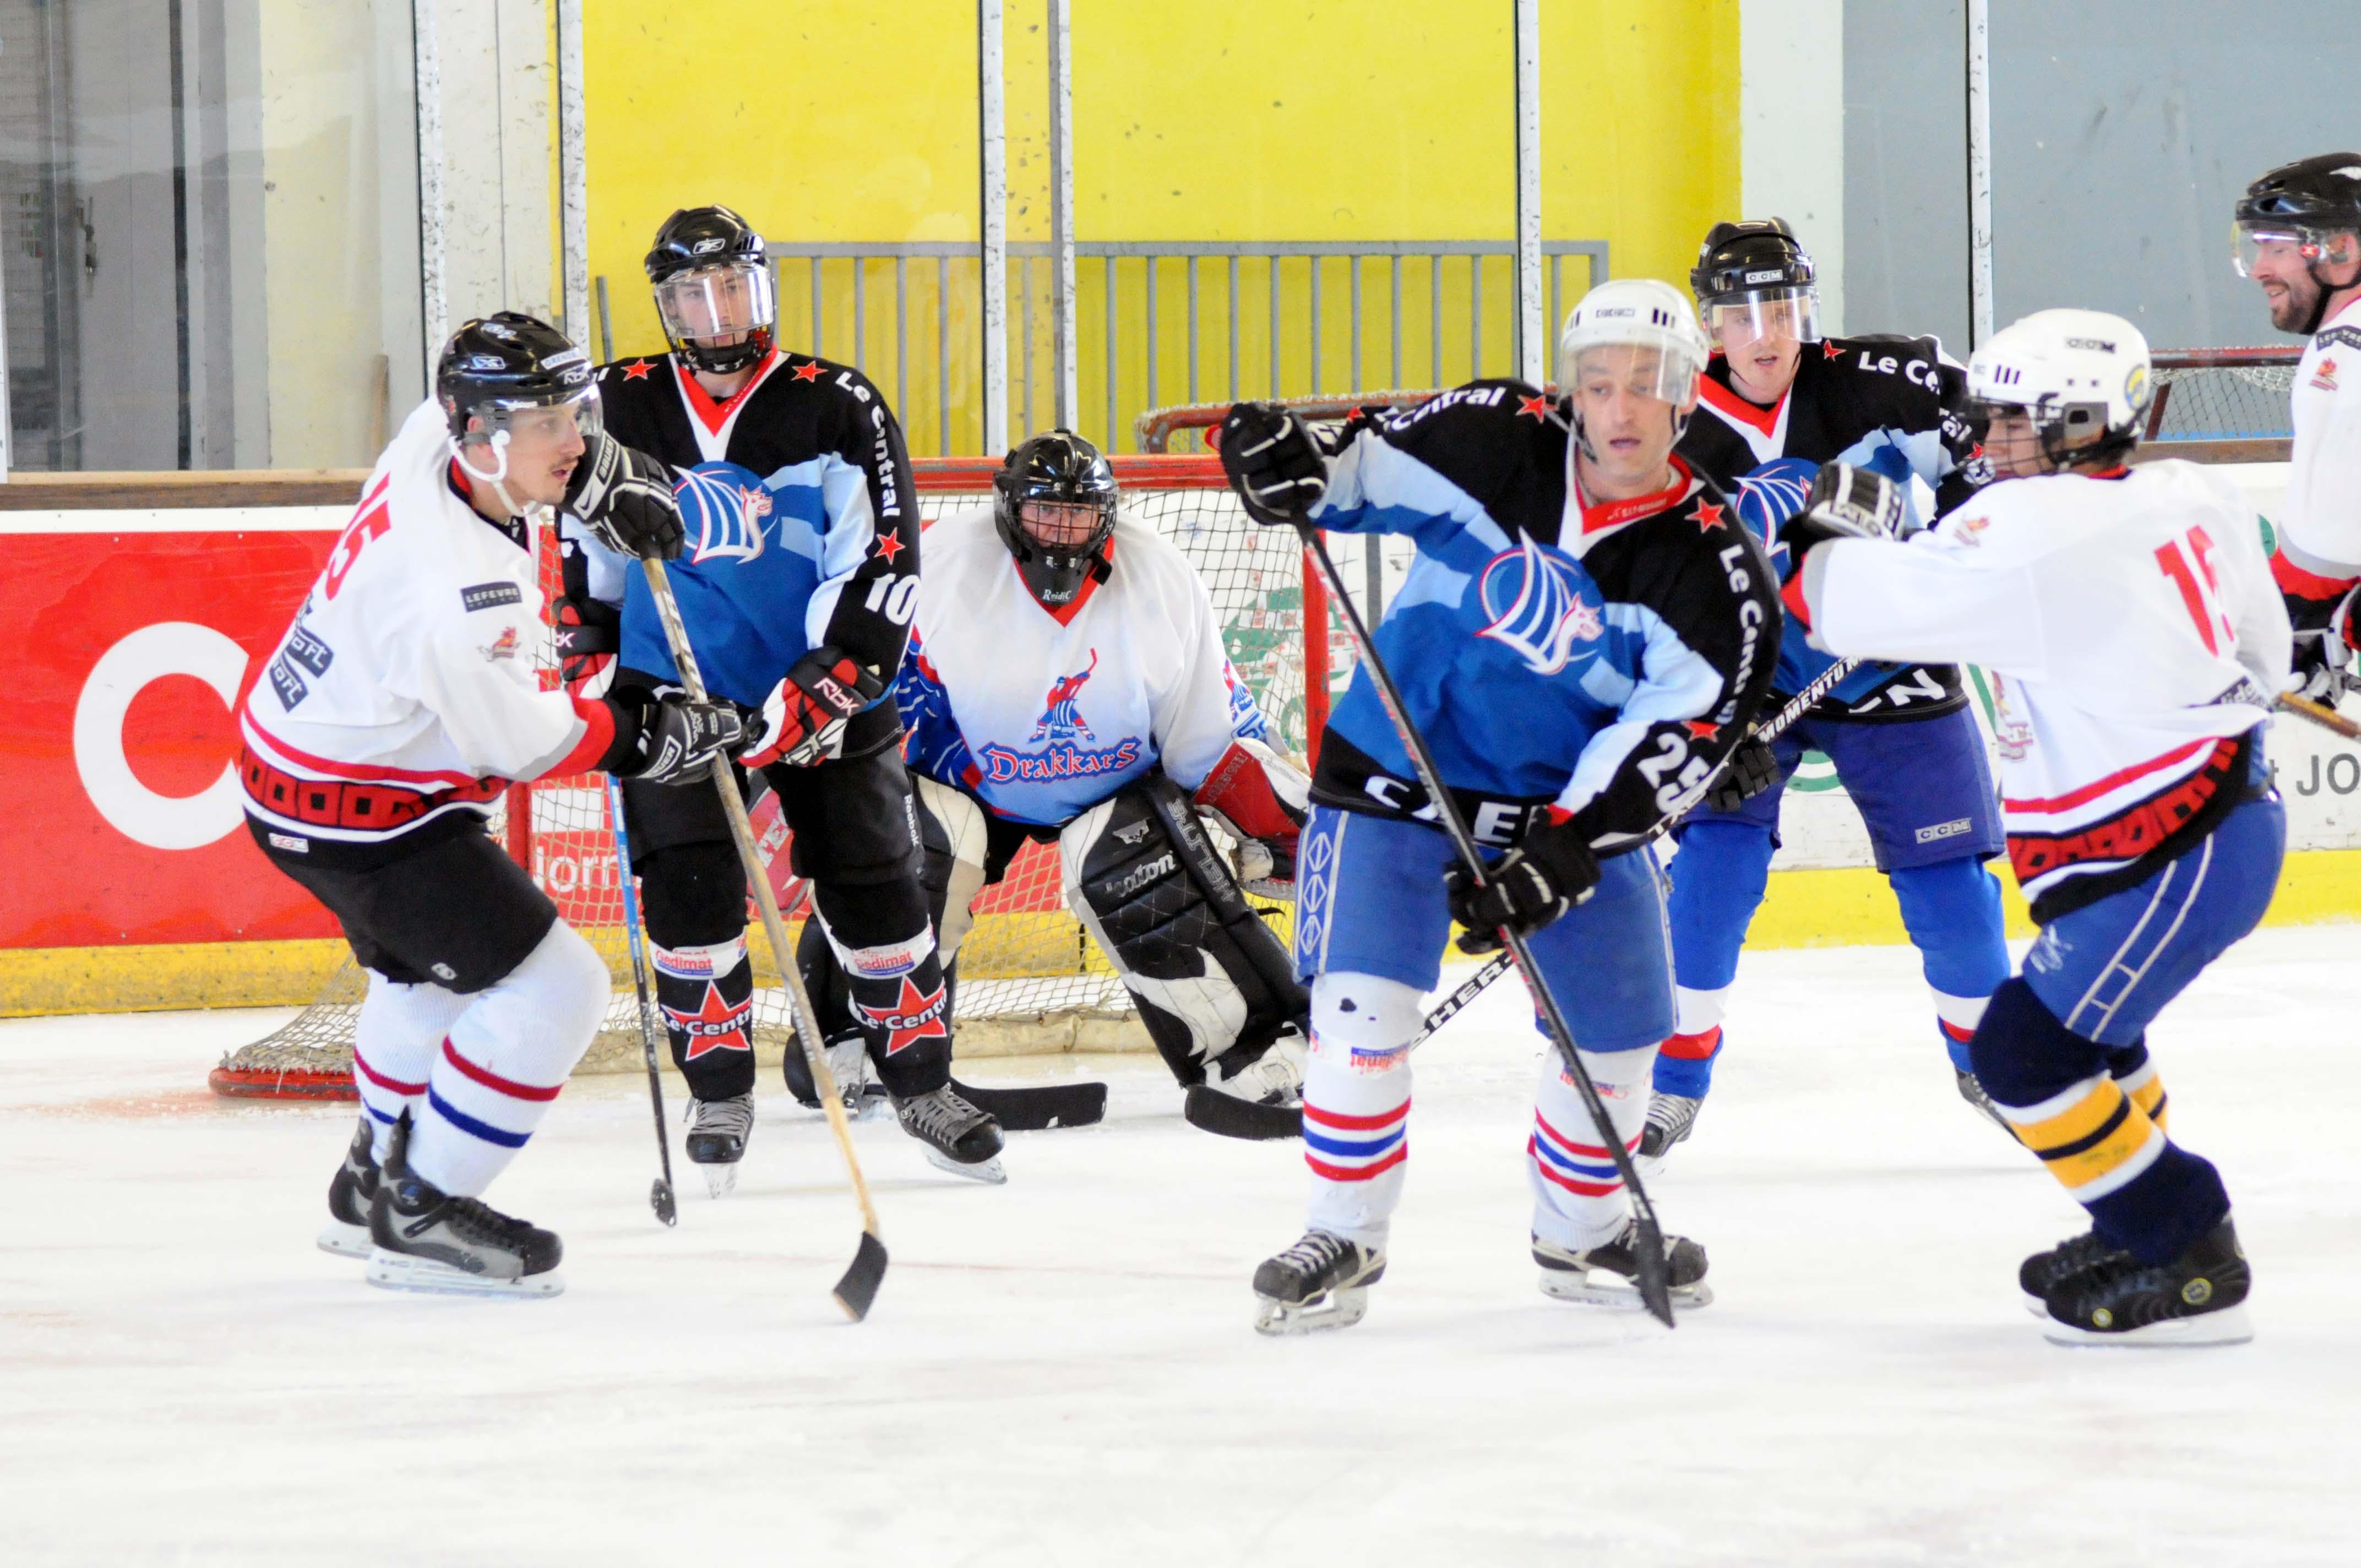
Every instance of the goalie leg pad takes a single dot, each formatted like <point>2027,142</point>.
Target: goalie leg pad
<point>1208,975</point>
<point>954,843</point>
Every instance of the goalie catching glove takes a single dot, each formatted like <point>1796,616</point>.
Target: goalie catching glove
<point>1259,800</point>
<point>1274,462</point>
<point>804,716</point>
<point>1549,872</point>
<point>625,497</point>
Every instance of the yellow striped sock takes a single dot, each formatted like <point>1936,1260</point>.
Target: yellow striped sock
<point>2092,1137</point>
<point>2145,1089</point>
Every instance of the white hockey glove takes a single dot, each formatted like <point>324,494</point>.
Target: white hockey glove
<point>1859,503</point>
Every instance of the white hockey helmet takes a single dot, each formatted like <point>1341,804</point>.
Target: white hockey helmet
<point>1642,313</point>
<point>2075,374</point>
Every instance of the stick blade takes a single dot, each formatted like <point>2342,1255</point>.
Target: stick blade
<point>858,1288</point>
<point>1228,1116</point>
<point>1655,1278</point>
<point>1033,1108</point>
<point>660,1198</point>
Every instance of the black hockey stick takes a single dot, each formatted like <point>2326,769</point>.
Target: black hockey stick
<point>659,1196</point>
<point>1037,1107</point>
<point>1656,1286</point>
<point>858,1288</point>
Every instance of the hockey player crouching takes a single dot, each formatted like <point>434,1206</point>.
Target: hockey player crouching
<point>396,710</point>
<point>1585,634</point>
<point>2136,642</point>
<point>1085,698</point>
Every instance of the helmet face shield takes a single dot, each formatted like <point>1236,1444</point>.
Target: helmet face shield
<point>534,425</point>
<point>1599,372</point>
<point>1791,315</point>
<point>719,305</point>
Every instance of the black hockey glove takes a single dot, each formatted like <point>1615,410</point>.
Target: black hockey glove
<point>804,716</point>
<point>625,498</point>
<point>678,739</point>
<point>1548,873</point>
<point>1274,462</point>
<point>1751,769</point>
<point>588,632</point>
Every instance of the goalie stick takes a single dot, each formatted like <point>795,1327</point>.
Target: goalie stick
<point>660,1197</point>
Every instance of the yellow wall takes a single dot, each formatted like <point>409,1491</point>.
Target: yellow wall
<point>1224,120</point>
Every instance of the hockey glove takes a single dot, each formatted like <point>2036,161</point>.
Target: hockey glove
<point>680,739</point>
<point>588,632</point>
<point>1751,769</point>
<point>1260,799</point>
<point>625,498</point>
<point>804,716</point>
<point>2324,657</point>
<point>1547,875</point>
<point>1858,503</point>
<point>1274,462</point>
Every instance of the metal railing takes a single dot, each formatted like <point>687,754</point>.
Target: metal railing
<point>1260,320</point>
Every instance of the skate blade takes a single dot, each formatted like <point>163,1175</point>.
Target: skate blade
<point>720,1181</point>
<point>988,1171</point>
<point>346,1241</point>
<point>1589,1289</point>
<point>1648,1165</point>
<point>399,1271</point>
<point>1275,1318</point>
<point>2033,1304</point>
<point>2228,1326</point>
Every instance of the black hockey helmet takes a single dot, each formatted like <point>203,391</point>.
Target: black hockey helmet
<point>1743,267</point>
<point>712,282</point>
<point>1058,469</point>
<point>2305,203</point>
<point>507,361</point>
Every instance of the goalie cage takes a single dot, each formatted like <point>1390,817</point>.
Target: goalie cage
<point>1031,979</point>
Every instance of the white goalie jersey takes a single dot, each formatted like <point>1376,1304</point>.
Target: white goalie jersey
<point>2130,630</point>
<point>408,688</point>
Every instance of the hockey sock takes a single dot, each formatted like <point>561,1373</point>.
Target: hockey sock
<point>1685,1062</point>
<point>2135,1075</point>
<point>505,1059</point>
<point>2144,1192</point>
<point>1578,1197</point>
<point>395,1038</point>
<point>707,996</point>
<point>894,979</point>
<point>1356,1101</point>
<point>1952,911</point>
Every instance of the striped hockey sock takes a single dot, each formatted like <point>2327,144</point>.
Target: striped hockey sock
<point>394,1041</point>
<point>1357,1082</point>
<point>1578,1197</point>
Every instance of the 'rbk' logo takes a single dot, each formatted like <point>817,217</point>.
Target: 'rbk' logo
<point>1535,599</point>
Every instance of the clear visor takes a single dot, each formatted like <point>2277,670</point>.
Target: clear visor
<point>1599,374</point>
<point>717,305</point>
<point>1791,315</point>
<point>575,421</point>
<point>1060,526</point>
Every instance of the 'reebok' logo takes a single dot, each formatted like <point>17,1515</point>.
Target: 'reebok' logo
<point>722,509</point>
<point>1543,607</point>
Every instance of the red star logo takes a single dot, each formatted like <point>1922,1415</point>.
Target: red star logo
<point>637,370</point>
<point>1828,350</point>
<point>1536,406</point>
<point>888,546</point>
<point>1700,730</point>
<point>715,1026</point>
<point>1708,518</point>
<point>912,1017</point>
<point>809,372</point>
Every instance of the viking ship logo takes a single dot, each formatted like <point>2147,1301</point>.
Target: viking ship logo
<point>722,509</point>
<point>1542,606</point>
<point>1059,719</point>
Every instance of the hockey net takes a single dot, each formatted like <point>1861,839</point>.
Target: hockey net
<point>1030,978</point>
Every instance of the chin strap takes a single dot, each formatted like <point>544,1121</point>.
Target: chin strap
<point>2328,290</point>
<point>500,444</point>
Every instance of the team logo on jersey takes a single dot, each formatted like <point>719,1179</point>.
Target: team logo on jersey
<point>1543,607</point>
<point>913,1016</point>
<point>723,507</point>
<point>504,646</point>
<point>1059,720</point>
<point>2324,376</point>
<point>714,1026</point>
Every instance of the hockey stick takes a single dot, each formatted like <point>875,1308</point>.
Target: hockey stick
<point>1656,1287</point>
<point>659,1196</point>
<point>858,1288</point>
<point>2320,713</point>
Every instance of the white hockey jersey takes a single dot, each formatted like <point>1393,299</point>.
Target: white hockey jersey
<point>2131,633</point>
<point>408,688</point>
<point>1045,713</point>
<point>2321,532</point>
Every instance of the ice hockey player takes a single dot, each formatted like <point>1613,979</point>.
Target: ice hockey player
<point>1779,399</point>
<point>1085,700</point>
<point>1585,634</point>
<point>2300,237</point>
<point>2135,640</point>
<point>796,587</point>
<point>400,704</point>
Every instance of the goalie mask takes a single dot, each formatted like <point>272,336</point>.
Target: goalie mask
<point>2079,377</point>
<point>1053,502</point>
<point>713,289</point>
<point>2307,212</point>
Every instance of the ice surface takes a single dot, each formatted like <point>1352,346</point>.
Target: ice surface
<point>1060,1371</point>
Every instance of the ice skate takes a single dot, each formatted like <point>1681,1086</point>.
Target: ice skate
<point>430,1240</point>
<point>1974,1093</point>
<point>957,1136</point>
<point>1670,1118</point>
<point>1609,1275</point>
<point>349,1193</point>
<point>718,1131</point>
<point>847,1053</point>
<point>1321,1282</point>
<point>2045,1271</point>
<point>2197,1299</point>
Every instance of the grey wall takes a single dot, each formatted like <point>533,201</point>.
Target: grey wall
<point>1906,150</point>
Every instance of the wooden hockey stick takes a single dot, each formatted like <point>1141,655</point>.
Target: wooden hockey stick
<point>660,1196</point>
<point>2320,713</point>
<point>858,1288</point>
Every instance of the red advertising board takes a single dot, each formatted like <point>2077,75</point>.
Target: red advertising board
<point>121,812</point>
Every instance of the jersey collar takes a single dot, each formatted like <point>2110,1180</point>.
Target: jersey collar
<point>1725,402</point>
<point>1600,516</point>
<point>715,417</point>
<point>465,488</point>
